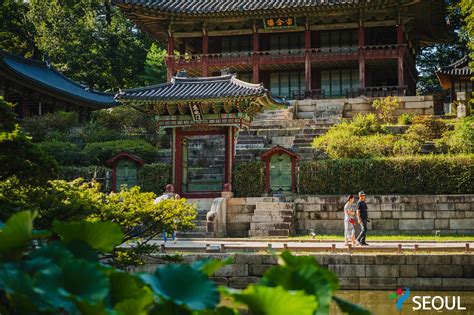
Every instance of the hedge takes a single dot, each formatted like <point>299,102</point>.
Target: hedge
<point>435,174</point>
<point>66,153</point>
<point>248,179</point>
<point>100,152</point>
<point>154,177</point>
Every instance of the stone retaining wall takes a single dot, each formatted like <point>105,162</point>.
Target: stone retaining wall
<point>417,105</point>
<point>355,272</point>
<point>426,214</point>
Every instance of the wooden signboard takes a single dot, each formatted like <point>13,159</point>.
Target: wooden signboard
<point>279,22</point>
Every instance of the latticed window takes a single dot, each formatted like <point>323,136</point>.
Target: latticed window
<point>283,84</point>
<point>335,82</point>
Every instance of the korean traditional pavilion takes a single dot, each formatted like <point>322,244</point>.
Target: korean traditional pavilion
<point>37,88</point>
<point>297,48</point>
<point>457,77</point>
<point>203,116</point>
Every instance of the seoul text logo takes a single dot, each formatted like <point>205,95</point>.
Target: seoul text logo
<point>400,297</point>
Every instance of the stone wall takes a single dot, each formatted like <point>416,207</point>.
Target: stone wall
<point>418,105</point>
<point>411,214</point>
<point>356,271</point>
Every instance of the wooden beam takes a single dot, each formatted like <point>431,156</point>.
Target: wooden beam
<point>380,23</point>
<point>307,63</point>
<point>283,30</point>
<point>335,26</point>
<point>230,32</point>
<point>187,34</point>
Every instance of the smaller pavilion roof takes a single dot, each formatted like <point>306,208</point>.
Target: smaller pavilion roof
<point>43,78</point>
<point>458,69</point>
<point>201,88</point>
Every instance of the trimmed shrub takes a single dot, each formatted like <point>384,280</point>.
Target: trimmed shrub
<point>99,152</point>
<point>459,140</point>
<point>386,107</point>
<point>435,174</point>
<point>248,179</point>
<point>39,126</point>
<point>66,153</point>
<point>365,125</point>
<point>154,177</point>
<point>405,119</point>
<point>435,126</point>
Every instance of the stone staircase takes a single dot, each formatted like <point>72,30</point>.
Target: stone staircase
<point>272,219</point>
<point>200,230</point>
<point>282,127</point>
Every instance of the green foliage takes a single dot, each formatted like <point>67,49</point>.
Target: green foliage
<point>89,173</point>
<point>40,126</point>
<point>459,140</point>
<point>154,177</point>
<point>386,107</point>
<point>56,277</point>
<point>90,41</point>
<point>103,236</point>
<point>139,218</point>
<point>16,31</point>
<point>123,119</point>
<point>435,126</point>
<point>365,125</point>
<point>100,152</point>
<point>155,67</point>
<point>405,119</point>
<point>65,153</point>
<point>467,12</point>
<point>20,158</point>
<point>248,179</point>
<point>435,174</point>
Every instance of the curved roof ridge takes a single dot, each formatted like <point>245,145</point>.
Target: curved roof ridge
<point>44,64</point>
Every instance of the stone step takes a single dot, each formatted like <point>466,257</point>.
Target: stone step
<point>256,233</point>
<point>271,218</point>
<point>274,206</point>
<point>270,226</point>
<point>250,146</point>
<point>282,213</point>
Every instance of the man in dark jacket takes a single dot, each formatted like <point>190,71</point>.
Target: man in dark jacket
<point>362,218</point>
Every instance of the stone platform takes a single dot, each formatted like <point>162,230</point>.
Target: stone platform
<point>434,272</point>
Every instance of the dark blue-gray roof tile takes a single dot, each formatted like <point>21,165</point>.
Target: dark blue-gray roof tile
<point>40,73</point>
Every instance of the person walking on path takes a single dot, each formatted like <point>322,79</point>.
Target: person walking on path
<point>349,221</point>
<point>362,219</point>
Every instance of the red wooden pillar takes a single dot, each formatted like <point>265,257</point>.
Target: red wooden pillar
<point>307,63</point>
<point>170,59</point>
<point>255,49</point>
<point>205,57</point>
<point>401,55</point>
<point>361,57</point>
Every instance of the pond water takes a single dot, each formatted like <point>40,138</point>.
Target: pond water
<point>380,304</point>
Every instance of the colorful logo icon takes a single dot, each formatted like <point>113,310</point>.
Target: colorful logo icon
<point>400,297</point>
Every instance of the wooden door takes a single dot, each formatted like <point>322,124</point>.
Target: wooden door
<point>280,172</point>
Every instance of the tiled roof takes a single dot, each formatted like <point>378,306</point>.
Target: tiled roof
<point>458,68</point>
<point>38,73</point>
<point>217,6</point>
<point>184,88</point>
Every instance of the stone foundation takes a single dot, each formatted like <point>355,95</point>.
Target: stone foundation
<point>418,105</point>
<point>364,271</point>
<point>389,214</point>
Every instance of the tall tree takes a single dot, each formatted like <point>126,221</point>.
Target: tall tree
<point>90,41</point>
<point>17,33</point>
<point>466,8</point>
<point>430,58</point>
<point>155,67</point>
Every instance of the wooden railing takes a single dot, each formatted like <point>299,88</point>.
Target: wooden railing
<point>312,94</point>
<point>287,55</point>
<point>382,91</point>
